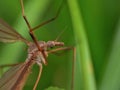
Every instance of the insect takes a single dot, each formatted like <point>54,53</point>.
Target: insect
<point>15,78</point>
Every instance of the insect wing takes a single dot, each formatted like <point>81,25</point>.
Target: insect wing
<point>8,34</point>
<point>9,78</point>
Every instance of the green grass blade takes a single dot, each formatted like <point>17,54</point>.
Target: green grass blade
<point>88,79</point>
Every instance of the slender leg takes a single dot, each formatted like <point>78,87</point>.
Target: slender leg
<point>43,23</point>
<point>73,68</point>
<point>58,37</point>
<point>39,75</point>
<point>48,21</point>
<point>23,14</point>
<point>73,61</point>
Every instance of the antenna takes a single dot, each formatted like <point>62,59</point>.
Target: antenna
<point>58,37</point>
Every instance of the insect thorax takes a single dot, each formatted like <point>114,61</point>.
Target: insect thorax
<point>37,55</point>
<point>34,53</point>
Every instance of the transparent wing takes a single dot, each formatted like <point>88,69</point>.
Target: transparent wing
<point>9,80</point>
<point>10,77</point>
<point>8,34</point>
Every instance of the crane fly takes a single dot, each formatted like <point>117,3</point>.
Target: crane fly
<point>15,78</point>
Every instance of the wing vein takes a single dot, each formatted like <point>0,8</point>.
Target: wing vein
<point>8,33</point>
<point>17,72</point>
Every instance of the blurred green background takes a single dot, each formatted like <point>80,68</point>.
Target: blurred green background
<point>93,27</point>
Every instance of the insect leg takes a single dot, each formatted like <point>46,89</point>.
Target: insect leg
<point>48,21</point>
<point>24,16</point>
<point>39,75</point>
<point>73,60</point>
<point>41,24</point>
